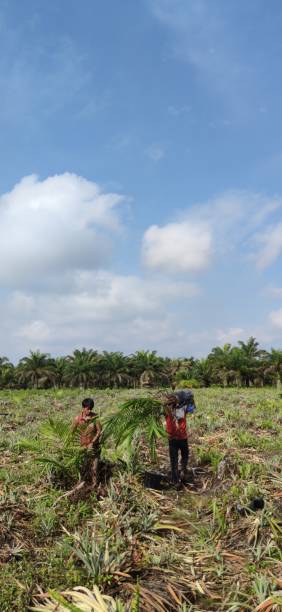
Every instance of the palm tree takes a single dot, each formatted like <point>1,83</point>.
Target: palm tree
<point>149,368</point>
<point>252,357</point>
<point>251,348</point>
<point>37,369</point>
<point>6,372</point>
<point>236,363</point>
<point>180,369</point>
<point>202,371</point>
<point>60,369</point>
<point>275,365</point>
<point>114,370</point>
<point>81,368</point>
<point>220,360</point>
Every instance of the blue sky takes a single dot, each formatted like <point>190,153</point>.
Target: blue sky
<point>151,135</point>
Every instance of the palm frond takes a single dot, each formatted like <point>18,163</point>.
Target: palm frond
<point>137,416</point>
<point>34,446</point>
<point>56,430</point>
<point>57,447</point>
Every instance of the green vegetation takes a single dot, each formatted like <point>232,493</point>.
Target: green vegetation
<point>125,547</point>
<point>241,366</point>
<point>135,418</point>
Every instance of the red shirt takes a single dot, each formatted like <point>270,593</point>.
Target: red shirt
<point>176,428</point>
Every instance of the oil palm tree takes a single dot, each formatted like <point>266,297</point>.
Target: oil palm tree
<point>180,369</point>
<point>202,371</point>
<point>274,366</point>
<point>113,368</point>
<point>6,372</point>
<point>60,369</point>
<point>236,363</point>
<point>149,368</point>
<point>220,361</point>
<point>37,369</point>
<point>252,359</point>
<point>81,368</point>
<point>251,348</point>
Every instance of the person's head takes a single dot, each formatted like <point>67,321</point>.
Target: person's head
<point>87,406</point>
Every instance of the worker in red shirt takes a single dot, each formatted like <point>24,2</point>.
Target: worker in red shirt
<point>177,405</point>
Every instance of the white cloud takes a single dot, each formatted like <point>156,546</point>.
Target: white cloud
<point>104,297</point>
<point>236,214</point>
<point>54,226</point>
<point>230,222</point>
<point>276,318</point>
<point>178,247</point>
<point>101,309</point>
<point>55,241</point>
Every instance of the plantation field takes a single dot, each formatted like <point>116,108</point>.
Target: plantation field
<point>203,548</point>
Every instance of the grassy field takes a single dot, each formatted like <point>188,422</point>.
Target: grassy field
<point>202,548</point>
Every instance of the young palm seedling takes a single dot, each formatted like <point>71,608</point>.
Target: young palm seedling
<point>58,449</point>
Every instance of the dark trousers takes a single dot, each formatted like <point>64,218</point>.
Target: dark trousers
<point>174,447</point>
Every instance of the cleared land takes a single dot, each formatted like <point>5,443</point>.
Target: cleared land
<point>200,549</point>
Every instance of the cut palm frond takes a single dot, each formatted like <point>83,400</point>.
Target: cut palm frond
<point>142,416</point>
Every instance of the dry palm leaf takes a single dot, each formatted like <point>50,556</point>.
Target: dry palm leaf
<point>79,599</point>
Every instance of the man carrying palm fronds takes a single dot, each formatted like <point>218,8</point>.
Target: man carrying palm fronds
<point>177,406</point>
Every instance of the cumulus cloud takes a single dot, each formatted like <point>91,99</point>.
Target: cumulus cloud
<point>56,237</point>
<point>232,221</point>
<point>182,247</point>
<point>105,297</point>
<point>101,309</point>
<point>48,227</point>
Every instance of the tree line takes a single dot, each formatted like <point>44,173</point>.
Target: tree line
<point>243,365</point>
